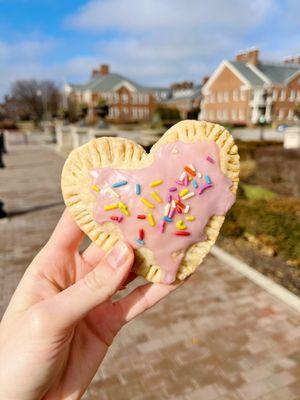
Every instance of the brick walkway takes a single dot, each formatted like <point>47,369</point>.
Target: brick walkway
<point>219,337</point>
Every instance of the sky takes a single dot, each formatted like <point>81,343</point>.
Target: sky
<point>155,42</point>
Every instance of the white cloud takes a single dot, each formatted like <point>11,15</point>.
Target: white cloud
<point>160,41</point>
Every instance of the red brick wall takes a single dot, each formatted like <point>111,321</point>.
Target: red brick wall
<point>213,108</point>
<point>283,108</point>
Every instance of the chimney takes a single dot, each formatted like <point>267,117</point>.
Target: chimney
<point>104,69</point>
<point>248,56</point>
<point>292,60</point>
<point>204,80</point>
<point>94,73</point>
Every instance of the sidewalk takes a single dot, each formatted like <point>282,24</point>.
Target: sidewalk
<point>219,337</point>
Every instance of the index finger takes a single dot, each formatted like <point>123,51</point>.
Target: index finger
<point>67,233</point>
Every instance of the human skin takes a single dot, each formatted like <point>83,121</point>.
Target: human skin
<point>61,320</point>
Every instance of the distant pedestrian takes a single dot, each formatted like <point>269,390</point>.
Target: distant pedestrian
<point>3,143</point>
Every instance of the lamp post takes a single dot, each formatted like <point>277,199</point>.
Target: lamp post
<point>262,122</point>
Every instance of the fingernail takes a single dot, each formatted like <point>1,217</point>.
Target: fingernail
<point>118,255</point>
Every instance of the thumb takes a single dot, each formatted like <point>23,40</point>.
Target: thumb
<point>94,288</point>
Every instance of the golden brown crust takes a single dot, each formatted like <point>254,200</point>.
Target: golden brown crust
<point>123,153</point>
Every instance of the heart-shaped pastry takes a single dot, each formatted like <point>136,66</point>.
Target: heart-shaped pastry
<point>169,205</point>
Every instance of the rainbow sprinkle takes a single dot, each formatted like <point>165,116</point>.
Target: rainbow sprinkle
<point>139,241</point>
<point>161,226</point>
<point>171,213</point>
<point>169,198</point>
<point>96,188</point>
<point>187,209</point>
<point>122,206</point>
<point>167,219</point>
<point>211,160</point>
<point>156,183</point>
<point>118,184</point>
<point>151,220</point>
<point>199,175</point>
<point>186,181</point>
<point>109,207</point>
<point>204,187</point>
<point>141,234</point>
<point>190,170</point>
<point>147,203</point>
<point>195,183</point>
<point>116,218</point>
<point>207,179</point>
<point>141,216</point>
<point>137,189</point>
<point>190,218</point>
<point>156,196</point>
<point>182,176</point>
<point>188,196</point>
<point>167,209</point>
<point>182,233</point>
<point>180,225</point>
<point>172,189</point>
<point>183,192</point>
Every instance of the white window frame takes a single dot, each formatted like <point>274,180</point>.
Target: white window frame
<point>225,115</point>
<point>243,95</point>
<point>293,94</point>
<point>226,96</point>
<point>124,98</point>
<point>235,95</point>
<point>242,115</point>
<point>291,114</point>
<point>234,114</point>
<point>282,95</point>
<point>281,114</point>
<point>274,94</point>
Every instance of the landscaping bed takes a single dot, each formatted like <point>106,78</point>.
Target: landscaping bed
<point>263,229</point>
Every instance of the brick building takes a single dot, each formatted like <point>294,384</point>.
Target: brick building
<point>185,96</point>
<point>128,100</point>
<point>247,90</point>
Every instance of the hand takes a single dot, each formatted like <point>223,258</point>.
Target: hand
<point>61,320</point>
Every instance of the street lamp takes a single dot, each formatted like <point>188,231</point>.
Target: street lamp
<point>262,122</point>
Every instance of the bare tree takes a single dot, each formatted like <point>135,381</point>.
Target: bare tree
<point>40,98</point>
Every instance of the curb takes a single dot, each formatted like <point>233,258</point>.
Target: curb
<point>259,279</point>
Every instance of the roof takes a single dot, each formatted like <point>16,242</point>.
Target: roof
<point>196,92</point>
<point>107,82</point>
<point>247,73</point>
<point>278,72</point>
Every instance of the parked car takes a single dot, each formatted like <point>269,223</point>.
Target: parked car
<point>282,128</point>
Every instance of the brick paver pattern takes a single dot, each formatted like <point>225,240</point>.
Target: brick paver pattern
<point>218,337</point>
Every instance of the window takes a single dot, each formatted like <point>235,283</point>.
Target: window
<point>116,98</point>
<point>235,95</point>
<point>124,98</point>
<point>117,112</point>
<point>146,112</point>
<point>219,97</point>
<point>141,113</point>
<point>241,114</point>
<point>282,95</point>
<point>242,95</point>
<point>293,95</point>
<point>225,115</point>
<point>134,113</point>
<point>226,96</point>
<point>234,115</point>
<point>281,114</point>
<point>291,114</point>
<point>275,94</point>
<point>125,110</point>
<point>211,115</point>
<point>146,99</point>
<point>219,115</point>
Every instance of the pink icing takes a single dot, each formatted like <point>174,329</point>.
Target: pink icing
<point>168,165</point>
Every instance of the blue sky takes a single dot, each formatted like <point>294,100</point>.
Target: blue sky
<point>155,42</point>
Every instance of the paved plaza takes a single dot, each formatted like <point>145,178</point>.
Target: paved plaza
<point>218,337</point>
